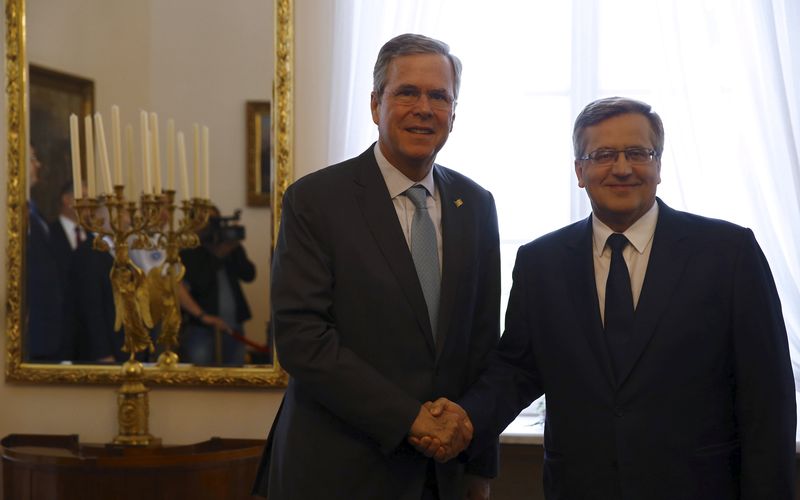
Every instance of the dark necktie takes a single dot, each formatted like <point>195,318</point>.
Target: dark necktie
<point>78,236</point>
<point>619,301</point>
<point>425,252</point>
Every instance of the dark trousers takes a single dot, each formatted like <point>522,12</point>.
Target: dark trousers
<point>430,491</point>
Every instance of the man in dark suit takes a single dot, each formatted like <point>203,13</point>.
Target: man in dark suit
<point>359,323</point>
<point>45,340</point>
<point>666,370</point>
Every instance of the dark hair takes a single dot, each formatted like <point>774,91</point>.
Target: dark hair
<point>66,188</point>
<point>410,44</point>
<point>609,107</point>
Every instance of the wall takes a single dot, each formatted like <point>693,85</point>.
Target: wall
<point>207,59</point>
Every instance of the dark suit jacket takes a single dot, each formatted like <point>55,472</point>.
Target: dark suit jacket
<point>705,406</point>
<point>44,298</point>
<point>63,255</point>
<point>62,250</point>
<point>94,305</point>
<point>201,277</point>
<point>352,330</point>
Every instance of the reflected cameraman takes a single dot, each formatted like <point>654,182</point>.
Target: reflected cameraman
<point>212,295</point>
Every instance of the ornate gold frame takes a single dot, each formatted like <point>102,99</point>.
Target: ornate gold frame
<point>254,111</point>
<point>16,83</point>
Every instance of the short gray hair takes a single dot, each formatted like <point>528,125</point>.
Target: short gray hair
<point>609,107</point>
<point>411,44</point>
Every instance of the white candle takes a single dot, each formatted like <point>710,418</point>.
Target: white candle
<point>182,163</point>
<point>196,129</point>
<point>131,187</point>
<point>74,137</point>
<point>154,149</point>
<point>145,140</point>
<point>205,163</point>
<point>171,154</point>
<point>116,143</point>
<point>87,126</point>
<point>105,171</point>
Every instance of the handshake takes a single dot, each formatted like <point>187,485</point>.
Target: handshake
<point>441,430</point>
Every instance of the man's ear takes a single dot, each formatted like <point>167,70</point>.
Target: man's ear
<point>658,171</point>
<point>374,105</point>
<point>579,173</point>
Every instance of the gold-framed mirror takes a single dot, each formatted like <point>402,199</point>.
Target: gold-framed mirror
<point>23,19</point>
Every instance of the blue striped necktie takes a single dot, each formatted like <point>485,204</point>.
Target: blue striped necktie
<point>425,252</point>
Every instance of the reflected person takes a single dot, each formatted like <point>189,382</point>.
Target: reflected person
<point>211,294</point>
<point>44,338</point>
<point>385,293</point>
<point>656,335</point>
<point>66,236</point>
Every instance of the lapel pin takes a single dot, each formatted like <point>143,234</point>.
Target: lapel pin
<point>458,202</point>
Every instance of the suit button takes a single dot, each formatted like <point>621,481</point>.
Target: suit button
<point>618,412</point>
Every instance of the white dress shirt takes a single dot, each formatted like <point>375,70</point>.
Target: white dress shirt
<point>398,183</point>
<point>69,228</point>
<point>636,255</point>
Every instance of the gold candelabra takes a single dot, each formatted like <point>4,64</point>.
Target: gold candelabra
<point>143,301</point>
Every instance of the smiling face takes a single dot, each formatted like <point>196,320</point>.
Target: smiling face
<point>622,192</point>
<point>410,134</point>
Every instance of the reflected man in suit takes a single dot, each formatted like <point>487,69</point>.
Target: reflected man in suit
<point>66,235</point>
<point>65,232</point>
<point>666,368</point>
<point>363,336</point>
<point>44,339</point>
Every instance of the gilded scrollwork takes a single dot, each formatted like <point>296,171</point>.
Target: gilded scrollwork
<point>284,110</point>
<point>16,207</point>
<point>15,195</point>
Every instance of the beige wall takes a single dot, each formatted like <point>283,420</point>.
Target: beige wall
<point>189,414</point>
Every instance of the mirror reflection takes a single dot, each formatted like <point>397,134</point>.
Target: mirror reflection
<point>190,61</point>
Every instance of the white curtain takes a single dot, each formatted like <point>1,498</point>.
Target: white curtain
<point>724,76</point>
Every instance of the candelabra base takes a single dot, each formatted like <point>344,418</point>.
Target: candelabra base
<point>133,408</point>
<point>167,360</point>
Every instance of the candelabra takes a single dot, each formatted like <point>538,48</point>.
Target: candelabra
<point>142,301</point>
<point>165,279</point>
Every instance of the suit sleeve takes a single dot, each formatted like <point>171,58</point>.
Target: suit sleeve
<point>511,381</point>
<point>308,342</point>
<point>765,392</point>
<point>486,328</point>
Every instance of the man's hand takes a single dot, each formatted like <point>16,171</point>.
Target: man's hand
<point>215,322</point>
<point>441,430</point>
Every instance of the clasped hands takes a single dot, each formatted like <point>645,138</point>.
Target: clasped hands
<point>441,430</point>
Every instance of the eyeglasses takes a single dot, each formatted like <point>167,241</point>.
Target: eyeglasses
<point>409,96</point>
<point>606,156</point>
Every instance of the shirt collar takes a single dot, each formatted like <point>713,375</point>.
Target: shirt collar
<point>396,181</point>
<point>68,224</point>
<point>639,234</point>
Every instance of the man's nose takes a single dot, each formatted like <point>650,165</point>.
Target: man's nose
<point>621,165</point>
<point>423,105</point>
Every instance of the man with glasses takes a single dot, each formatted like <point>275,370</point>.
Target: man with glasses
<point>656,335</point>
<point>385,294</point>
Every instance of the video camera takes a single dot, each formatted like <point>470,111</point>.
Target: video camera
<point>221,229</point>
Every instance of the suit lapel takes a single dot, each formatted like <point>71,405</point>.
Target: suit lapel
<point>580,275</point>
<point>453,220</point>
<point>381,219</point>
<point>664,269</point>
